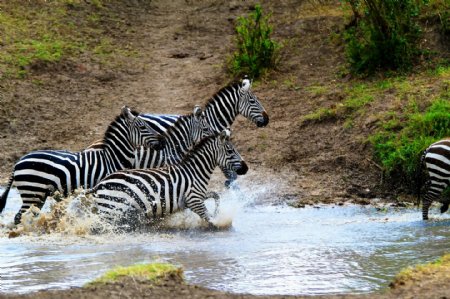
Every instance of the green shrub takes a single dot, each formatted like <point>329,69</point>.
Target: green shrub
<point>445,22</point>
<point>384,36</point>
<point>255,49</point>
<point>399,147</point>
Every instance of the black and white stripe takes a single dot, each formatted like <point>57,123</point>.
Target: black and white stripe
<point>180,137</point>
<point>40,173</point>
<point>437,164</point>
<point>220,112</point>
<point>148,194</point>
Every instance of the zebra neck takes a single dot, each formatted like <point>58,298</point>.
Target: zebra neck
<point>177,143</point>
<point>119,150</point>
<point>222,109</point>
<point>201,162</point>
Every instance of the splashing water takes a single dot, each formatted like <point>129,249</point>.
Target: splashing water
<point>73,215</point>
<point>76,214</point>
<point>263,248</point>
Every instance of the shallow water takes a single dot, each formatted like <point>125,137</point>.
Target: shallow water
<point>270,249</point>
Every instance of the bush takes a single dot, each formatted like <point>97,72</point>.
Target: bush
<point>384,35</point>
<point>399,148</point>
<point>255,49</point>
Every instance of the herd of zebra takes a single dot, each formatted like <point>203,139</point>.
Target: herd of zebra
<point>147,166</point>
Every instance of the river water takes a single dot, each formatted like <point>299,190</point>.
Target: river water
<point>269,248</point>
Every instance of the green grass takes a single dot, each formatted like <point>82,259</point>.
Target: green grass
<point>317,90</point>
<point>36,33</point>
<point>357,97</point>
<point>400,141</point>
<point>417,273</point>
<point>152,272</point>
<point>320,114</point>
<point>409,114</point>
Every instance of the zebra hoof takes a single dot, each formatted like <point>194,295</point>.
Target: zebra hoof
<point>18,218</point>
<point>228,183</point>
<point>212,227</point>
<point>231,184</point>
<point>444,208</point>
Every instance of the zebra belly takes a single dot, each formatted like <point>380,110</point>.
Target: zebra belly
<point>150,196</point>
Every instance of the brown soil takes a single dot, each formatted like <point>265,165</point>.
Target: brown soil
<point>182,48</point>
<point>174,287</point>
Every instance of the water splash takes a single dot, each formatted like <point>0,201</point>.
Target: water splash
<point>72,215</point>
<point>76,214</point>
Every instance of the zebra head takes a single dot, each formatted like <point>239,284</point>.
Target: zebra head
<point>200,127</point>
<point>141,134</point>
<point>228,157</point>
<point>249,105</point>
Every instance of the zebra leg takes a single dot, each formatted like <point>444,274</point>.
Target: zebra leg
<point>425,207</point>
<point>230,176</point>
<point>197,205</point>
<point>29,198</point>
<point>446,202</point>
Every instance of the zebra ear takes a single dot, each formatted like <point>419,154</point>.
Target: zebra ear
<point>197,111</point>
<point>225,135</point>
<point>246,84</point>
<point>127,113</point>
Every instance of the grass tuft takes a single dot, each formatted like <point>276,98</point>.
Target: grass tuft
<point>417,273</point>
<point>152,272</point>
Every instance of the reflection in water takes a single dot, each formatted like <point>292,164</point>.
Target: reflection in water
<point>269,249</point>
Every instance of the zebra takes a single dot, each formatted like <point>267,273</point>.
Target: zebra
<point>180,137</point>
<point>437,164</point>
<point>149,194</point>
<point>220,112</point>
<point>39,174</point>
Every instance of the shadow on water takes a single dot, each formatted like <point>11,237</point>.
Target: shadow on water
<point>270,249</point>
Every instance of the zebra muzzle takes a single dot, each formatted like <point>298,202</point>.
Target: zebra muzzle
<point>242,169</point>
<point>264,121</point>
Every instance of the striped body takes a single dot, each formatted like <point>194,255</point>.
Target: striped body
<point>40,173</point>
<point>437,164</point>
<point>220,113</point>
<point>154,193</point>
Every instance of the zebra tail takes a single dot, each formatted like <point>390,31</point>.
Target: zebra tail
<point>5,194</point>
<point>419,177</point>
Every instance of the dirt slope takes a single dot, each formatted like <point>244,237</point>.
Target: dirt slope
<point>182,47</point>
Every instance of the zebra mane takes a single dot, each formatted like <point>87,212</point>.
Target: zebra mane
<point>117,119</point>
<point>229,87</point>
<point>182,118</point>
<point>194,150</point>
